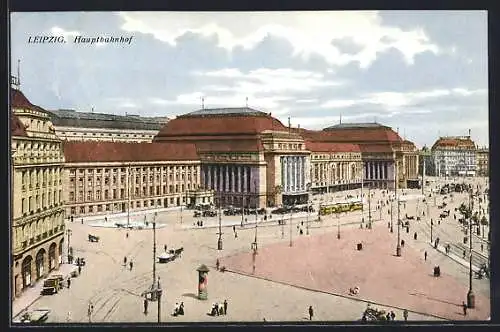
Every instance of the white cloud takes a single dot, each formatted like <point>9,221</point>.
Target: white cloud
<point>310,33</point>
<point>57,31</point>
<point>266,81</point>
<point>306,101</point>
<point>397,100</point>
<point>233,100</point>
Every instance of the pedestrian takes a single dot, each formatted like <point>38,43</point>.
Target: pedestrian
<point>235,235</point>
<point>311,312</point>
<point>69,282</point>
<point>165,248</point>
<point>125,261</point>
<point>105,219</point>
<point>388,316</point>
<point>405,315</point>
<point>79,269</point>
<point>393,315</point>
<point>126,235</point>
<point>82,221</point>
<point>439,221</point>
<point>425,255</point>
<point>464,253</point>
<point>482,247</point>
<point>68,316</point>
<point>225,307</point>
<point>217,263</point>
<point>131,265</point>
<point>415,236</point>
<point>402,243</point>
<point>145,306</point>
<point>234,228</point>
<point>464,307</point>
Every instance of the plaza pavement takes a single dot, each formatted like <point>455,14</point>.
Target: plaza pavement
<point>115,290</point>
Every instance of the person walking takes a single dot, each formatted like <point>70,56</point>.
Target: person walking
<point>69,282</point>
<point>145,306</point>
<point>464,307</point>
<point>217,264</point>
<point>126,235</point>
<point>235,235</point>
<point>225,307</point>
<point>393,315</point>
<point>415,236</point>
<point>464,253</point>
<point>82,221</point>
<point>131,265</point>
<point>425,255</point>
<point>311,312</point>
<point>165,248</point>
<point>125,261</point>
<point>405,315</point>
<point>79,269</point>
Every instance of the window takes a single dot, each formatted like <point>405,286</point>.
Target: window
<point>106,194</point>
<point>122,193</point>
<point>114,193</point>
<point>23,205</point>
<point>91,209</point>
<point>71,196</point>
<point>108,206</point>
<point>73,210</point>
<point>89,195</point>
<point>106,180</point>
<point>176,188</point>
<point>98,195</point>
<point>114,179</point>
<point>99,208</point>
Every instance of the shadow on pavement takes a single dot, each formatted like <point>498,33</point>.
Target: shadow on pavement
<point>191,295</point>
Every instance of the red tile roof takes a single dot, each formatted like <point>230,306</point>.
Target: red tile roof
<point>331,147</point>
<point>454,142</point>
<point>219,125</point>
<point>92,151</point>
<point>376,148</point>
<point>230,146</point>
<point>17,128</point>
<point>19,100</point>
<point>354,135</point>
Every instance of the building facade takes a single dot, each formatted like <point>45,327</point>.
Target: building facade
<point>335,166</point>
<point>102,178</point>
<point>88,126</point>
<point>387,158</point>
<point>482,160</point>
<point>37,226</point>
<point>454,156</point>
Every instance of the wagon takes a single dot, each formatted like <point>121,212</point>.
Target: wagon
<point>93,238</point>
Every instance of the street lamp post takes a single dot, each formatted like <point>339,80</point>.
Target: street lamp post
<point>398,246</point>
<point>68,231</point>
<point>362,199</point>
<point>155,291</point>
<point>219,241</point>
<point>392,206</point>
<point>308,208</point>
<point>470,294</point>
<point>291,219</point>
<point>369,208</point>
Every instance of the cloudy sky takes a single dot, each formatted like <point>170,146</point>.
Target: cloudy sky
<point>424,72</point>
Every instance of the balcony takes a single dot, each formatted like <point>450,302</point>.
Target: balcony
<point>51,232</point>
<point>44,235</point>
<point>24,244</point>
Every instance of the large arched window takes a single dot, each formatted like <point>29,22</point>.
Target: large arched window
<point>26,271</point>
<point>52,256</point>
<point>39,263</point>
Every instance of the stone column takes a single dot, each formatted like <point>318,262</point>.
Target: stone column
<point>239,188</point>
<point>285,174</point>
<point>233,186</point>
<point>221,178</point>
<point>226,187</point>
<point>244,179</point>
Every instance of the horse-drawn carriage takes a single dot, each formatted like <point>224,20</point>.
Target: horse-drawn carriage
<point>170,256</point>
<point>93,238</point>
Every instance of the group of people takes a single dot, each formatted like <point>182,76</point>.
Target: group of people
<point>219,309</point>
<point>178,309</point>
<point>130,264</point>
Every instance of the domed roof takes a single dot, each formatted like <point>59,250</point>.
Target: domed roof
<point>219,122</point>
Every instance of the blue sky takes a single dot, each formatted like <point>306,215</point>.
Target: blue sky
<point>424,72</point>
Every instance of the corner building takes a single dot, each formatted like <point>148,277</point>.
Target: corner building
<point>37,226</point>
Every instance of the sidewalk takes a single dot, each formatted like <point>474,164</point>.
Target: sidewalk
<point>32,294</point>
<point>454,257</point>
<point>121,215</point>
